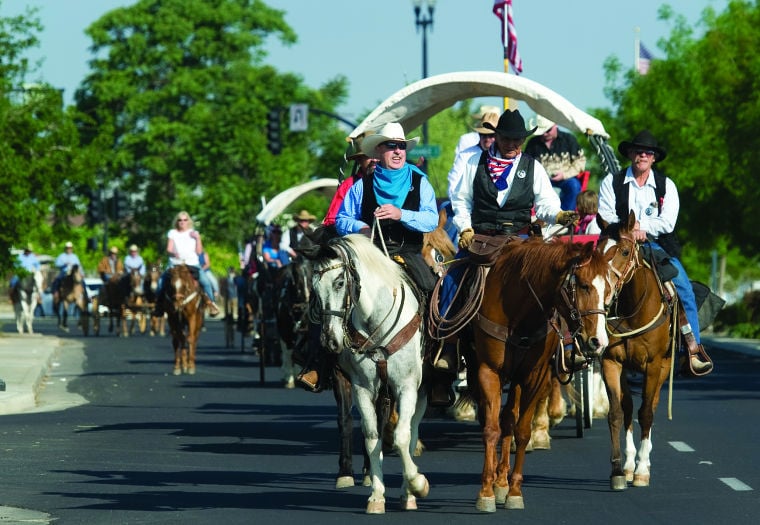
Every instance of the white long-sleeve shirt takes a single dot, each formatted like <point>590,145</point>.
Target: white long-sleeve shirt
<point>643,201</point>
<point>546,204</point>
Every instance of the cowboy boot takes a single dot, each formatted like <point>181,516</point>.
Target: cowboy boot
<point>699,363</point>
<point>447,359</point>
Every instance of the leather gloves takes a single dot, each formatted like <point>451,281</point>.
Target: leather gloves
<point>566,217</point>
<point>465,238</point>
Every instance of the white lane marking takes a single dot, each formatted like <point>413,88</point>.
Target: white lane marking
<point>736,484</point>
<point>680,446</point>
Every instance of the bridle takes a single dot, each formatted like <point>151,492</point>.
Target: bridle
<point>625,274</point>
<point>358,343</point>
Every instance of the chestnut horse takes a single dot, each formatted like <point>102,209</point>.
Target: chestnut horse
<point>642,324</point>
<point>150,288</point>
<point>72,291</point>
<point>515,335</point>
<point>185,313</point>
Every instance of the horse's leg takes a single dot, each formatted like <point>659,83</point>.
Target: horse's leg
<point>193,331</point>
<point>613,372</point>
<point>410,413</point>
<point>343,399</point>
<point>630,447</point>
<point>489,405</point>
<point>649,399</point>
<point>178,344</point>
<point>601,403</point>
<point>507,419</point>
<point>539,437</point>
<point>557,405</point>
<point>373,443</point>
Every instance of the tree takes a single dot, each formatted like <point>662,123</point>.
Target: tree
<point>702,103</point>
<point>41,169</point>
<point>177,106</point>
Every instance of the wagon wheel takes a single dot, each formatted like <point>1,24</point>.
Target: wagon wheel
<point>261,346</point>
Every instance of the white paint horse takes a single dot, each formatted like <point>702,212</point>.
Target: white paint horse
<point>26,295</point>
<point>370,316</point>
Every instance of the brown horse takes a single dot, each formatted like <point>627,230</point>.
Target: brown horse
<point>150,289</point>
<point>642,326</point>
<point>184,310</point>
<point>134,308</point>
<point>516,334</point>
<point>72,291</point>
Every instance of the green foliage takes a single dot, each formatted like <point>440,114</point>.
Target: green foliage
<point>176,108</point>
<point>41,168</point>
<point>741,319</point>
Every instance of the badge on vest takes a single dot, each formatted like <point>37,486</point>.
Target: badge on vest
<point>521,174</point>
<point>650,209</point>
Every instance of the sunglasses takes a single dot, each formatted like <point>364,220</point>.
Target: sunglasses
<point>182,220</point>
<point>395,145</point>
<point>647,152</point>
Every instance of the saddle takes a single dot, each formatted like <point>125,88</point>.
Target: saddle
<point>485,249</point>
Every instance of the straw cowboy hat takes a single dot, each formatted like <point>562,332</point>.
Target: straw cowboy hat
<point>356,145</point>
<point>68,245</point>
<point>133,248</point>
<point>303,215</point>
<point>511,125</point>
<point>542,124</point>
<point>114,249</point>
<point>392,131</point>
<point>491,118</point>
<point>484,110</point>
<point>644,140</point>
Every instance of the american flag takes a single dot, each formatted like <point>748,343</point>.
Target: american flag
<point>645,58</point>
<point>508,36</point>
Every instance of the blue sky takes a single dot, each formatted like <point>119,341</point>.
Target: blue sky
<point>377,47</point>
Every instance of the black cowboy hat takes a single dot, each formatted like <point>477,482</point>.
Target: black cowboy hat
<point>511,125</point>
<point>644,140</point>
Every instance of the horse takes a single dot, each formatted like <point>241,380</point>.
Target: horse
<point>643,327</point>
<point>25,296</point>
<point>72,291</point>
<point>515,333</point>
<point>134,308</point>
<point>370,317</point>
<point>293,313</point>
<point>184,310</point>
<point>150,289</point>
<point>110,303</point>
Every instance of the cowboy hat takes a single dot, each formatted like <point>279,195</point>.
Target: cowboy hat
<point>542,124</point>
<point>356,145</point>
<point>114,249</point>
<point>644,140</point>
<point>133,248</point>
<point>392,131</point>
<point>68,245</point>
<point>491,118</point>
<point>303,215</point>
<point>484,110</point>
<point>511,125</point>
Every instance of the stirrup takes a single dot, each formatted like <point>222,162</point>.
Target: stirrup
<point>702,358</point>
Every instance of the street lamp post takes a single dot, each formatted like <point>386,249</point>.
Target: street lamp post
<point>424,21</point>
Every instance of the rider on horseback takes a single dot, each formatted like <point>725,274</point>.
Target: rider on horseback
<point>402,204</point>
<point>65,262</point>
<point>110,266</point>
<point>184,246</point>
<point>25,262</point>
<point>654,199</point>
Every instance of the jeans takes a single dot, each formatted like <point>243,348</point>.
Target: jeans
<point>685,294</point>
<point>205,283</point>
<point>568,192</point>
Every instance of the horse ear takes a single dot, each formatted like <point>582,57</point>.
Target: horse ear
<point>631,220</point>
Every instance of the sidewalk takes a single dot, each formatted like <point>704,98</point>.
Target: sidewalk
<point>24,363</point>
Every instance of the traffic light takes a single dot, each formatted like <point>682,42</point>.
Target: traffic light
<point>120,205</point>
<point>94,210</point>
<point>274,139</point>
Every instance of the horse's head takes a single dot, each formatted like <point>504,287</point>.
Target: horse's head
<point>136,282</point>
<point>621,252</point>
<point>332,283</point>
<point>583,292</point>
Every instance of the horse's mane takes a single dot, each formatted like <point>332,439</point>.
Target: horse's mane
<point>375,261</point>
<point>541,261</point>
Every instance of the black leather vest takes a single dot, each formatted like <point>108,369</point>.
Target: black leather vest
<point>397,238</point>
<point>490,218</point>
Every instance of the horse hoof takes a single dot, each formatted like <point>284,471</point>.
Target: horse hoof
<point>343,482</point>
<point>367,481</point>
<point>628,475</point>
<point>376,507</point>
<point>500,493</point>
<point>514,503</point>
<point>419,449</point>
<point>641,480</point>
<point>618,483</point>
<point>408,503</point>
<point>542,442</point>
<point>486,504</point>
<point>177,371</point>
<point>190,371</point>
<point>419,486</point>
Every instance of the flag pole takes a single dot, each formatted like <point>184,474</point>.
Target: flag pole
<point>636,48</point>
<point>506,52</point>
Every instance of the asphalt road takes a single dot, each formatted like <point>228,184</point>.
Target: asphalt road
<point>137,445</point>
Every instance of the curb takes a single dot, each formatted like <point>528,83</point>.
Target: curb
<point>25,361</point>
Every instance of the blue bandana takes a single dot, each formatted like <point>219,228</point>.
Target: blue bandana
<point>392,186</point>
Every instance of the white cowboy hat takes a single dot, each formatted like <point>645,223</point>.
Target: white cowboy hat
<point>133,248</point>
<point>542,124</point>
<point>68,245</point>
<point>392,131</point>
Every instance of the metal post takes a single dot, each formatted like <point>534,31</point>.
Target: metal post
<point>422,21</point>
